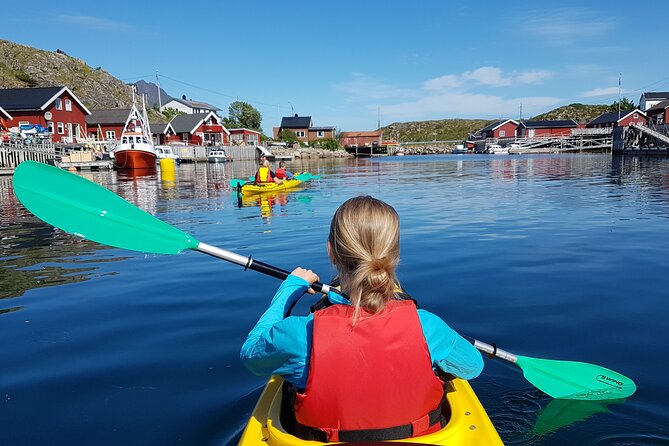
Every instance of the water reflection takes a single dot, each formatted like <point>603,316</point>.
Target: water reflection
<point>271,203</point>
<point>562,413</point>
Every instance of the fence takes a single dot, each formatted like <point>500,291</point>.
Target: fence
<point>13,153</point>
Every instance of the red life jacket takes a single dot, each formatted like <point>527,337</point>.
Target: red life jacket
<point>280,173</point>
<point>376,374</point>
<point>264,175</point>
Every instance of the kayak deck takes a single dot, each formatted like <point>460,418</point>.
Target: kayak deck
<point>469,423</point>
<point>259,188</point>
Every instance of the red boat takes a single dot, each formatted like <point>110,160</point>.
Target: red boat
<point>135,150</point>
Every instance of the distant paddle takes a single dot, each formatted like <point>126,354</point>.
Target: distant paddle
<point>88,210</point>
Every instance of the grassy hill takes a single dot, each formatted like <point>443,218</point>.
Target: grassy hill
<point>438,130</point>
<point>580,113</point>
<point>23,66</point>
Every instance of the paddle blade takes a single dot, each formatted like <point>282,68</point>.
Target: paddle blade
<point>237,183</point>
<point>575,380</point>
<point>85,209</point>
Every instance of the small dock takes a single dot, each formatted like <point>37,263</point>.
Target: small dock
<point>87,165</point>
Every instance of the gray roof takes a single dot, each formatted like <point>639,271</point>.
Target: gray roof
<point>186,123</point>
<point>108,116</point>
<point>659,106</point>
<point>492,126</point>
<point>321,128</point>
<point>15,99</point>
<point>296,122</point>
<point>196,104</point>
<point>158,128</point>
<point>609,118</point>
<point>561,123</point>
<point>656,95</point>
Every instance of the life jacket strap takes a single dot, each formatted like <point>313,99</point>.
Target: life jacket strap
<point>413,429</point>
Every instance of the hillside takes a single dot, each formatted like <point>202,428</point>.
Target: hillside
<point>438,130</point>
<point>23,66</point>
<point>580,113</point>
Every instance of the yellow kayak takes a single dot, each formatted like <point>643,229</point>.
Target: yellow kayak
<point>469,423</point>
<point>253,188</point>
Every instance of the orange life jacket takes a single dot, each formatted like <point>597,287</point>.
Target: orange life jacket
<point>280,173</point>
<point>372,375</point>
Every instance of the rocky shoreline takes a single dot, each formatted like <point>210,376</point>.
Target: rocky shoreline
<point>306,152</point>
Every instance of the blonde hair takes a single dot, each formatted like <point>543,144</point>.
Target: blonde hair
<point>365,247</point>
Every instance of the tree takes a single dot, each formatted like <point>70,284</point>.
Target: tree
<point>242,114</point>
<point>287,135</point>
<point>625,104</point>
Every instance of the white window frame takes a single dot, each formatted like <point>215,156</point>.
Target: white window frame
<point>300,133</point>
<point>49,125</point>
<point>68,105</point>
<point>320,134</point>
<point>61,128</point>
<point>502,133</point>
<point>59,104</point>
<point>24,123</point>
<point>110,135</point>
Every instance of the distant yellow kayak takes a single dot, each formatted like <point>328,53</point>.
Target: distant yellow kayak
<point>468,423</point>
<point>253,188</point>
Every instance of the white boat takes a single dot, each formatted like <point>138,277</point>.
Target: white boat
<point>163,152</point>
<point>459,149</point>
<point>218,156</point>
<point>496,149</point>
<point>135,149</point>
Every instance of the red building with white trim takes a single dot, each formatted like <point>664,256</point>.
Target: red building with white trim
<point>244,137</point>
<point>499,129</point>
<point>55,108</point>
<point>200,129</point>
<point>615,119</point>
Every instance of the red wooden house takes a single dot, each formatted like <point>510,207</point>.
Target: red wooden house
<point>200,129</point>
<point>244,137</point>
<point>499,129</point>
<point>360,139</point>
<point>55,108</point>
<point>615,119</point>
<point>532,129</point>
<point>107,125</point>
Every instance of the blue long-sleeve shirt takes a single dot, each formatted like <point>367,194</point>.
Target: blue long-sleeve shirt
<point>282,345</point>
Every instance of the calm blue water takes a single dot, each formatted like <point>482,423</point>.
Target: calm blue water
<point>561,257</point>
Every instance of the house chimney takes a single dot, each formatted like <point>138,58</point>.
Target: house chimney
<point>296,115</point>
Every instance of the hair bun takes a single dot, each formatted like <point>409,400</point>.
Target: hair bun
<point>379,264</point>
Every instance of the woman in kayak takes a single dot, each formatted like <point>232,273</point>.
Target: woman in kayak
<point>361,369</point>
<point>264,174</point>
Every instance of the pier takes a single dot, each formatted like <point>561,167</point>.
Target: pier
<point>651,139</point>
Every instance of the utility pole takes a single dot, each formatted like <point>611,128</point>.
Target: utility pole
<point>620,77</point>
<point>521,112</point>
<point>160,104</point>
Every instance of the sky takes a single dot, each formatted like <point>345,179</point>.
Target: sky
<point>355,64</point>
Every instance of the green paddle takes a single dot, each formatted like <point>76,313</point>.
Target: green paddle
<point>85,209</point>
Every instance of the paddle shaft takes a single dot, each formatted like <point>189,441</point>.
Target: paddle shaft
<point>255,265</point>
<point>492,350</point>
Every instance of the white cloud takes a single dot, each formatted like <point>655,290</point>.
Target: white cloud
<point>487,76</point>
<point>445,82</point>
<point>564,26</point>
<point>363,87</point>
<point>466,105</point>
<point>534,77</point>
<point>95,23</point>
<point>608,91</point>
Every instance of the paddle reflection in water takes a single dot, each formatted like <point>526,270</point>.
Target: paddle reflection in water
<point>561,413</point>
